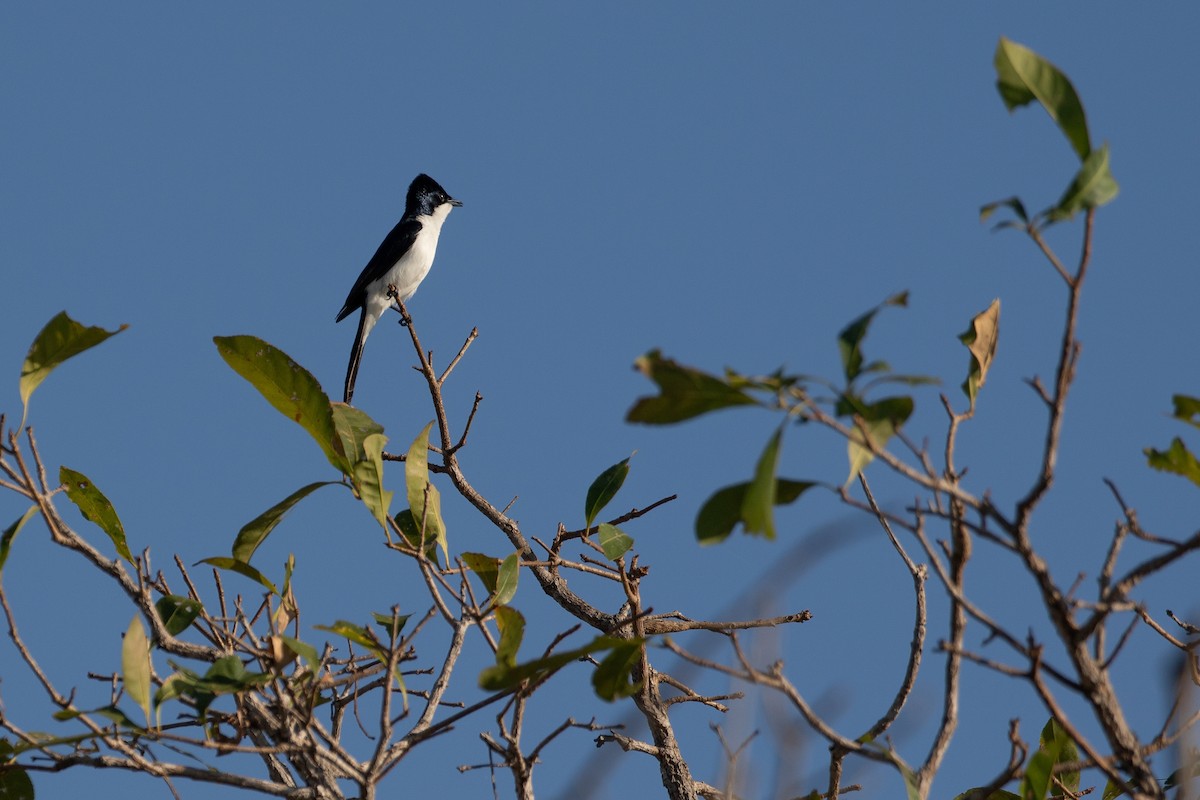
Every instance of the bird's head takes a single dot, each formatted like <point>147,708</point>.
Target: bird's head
<point>425,195</point>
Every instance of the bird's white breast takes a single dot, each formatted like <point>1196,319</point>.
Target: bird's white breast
<point>407,273</point>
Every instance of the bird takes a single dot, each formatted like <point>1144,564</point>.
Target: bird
<point>402,261</point>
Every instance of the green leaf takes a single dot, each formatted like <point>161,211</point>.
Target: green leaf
<point>723,511</point>
<point>1092,187</point>
<point>254,532</point>
<point>305,651</point>
<point>1014,203</point>
<point>613,678</point>
<point>95,508</point>
<point>1111,791</point>
<point>427,516</point>
<point>392,624</point>
<point>241,568</point>
<point>851,338</point>
<point>228,675</point>
<point>1177,459</point>
<point>10,533</point>
<point>1023,76</point>
<point>290,388</point>
<point>368,479</point>
<point>355,633</point>
<point>412,534</point>
<point>486,567</point>
<point>135,665</point>
<point>911,789</point>
<point>603,490</point>
<point>981,338</point>
<point>1055,741</point>
<point>506,579</point>
<point>613,541</point>
<point>1036,782</point>
<point>61,339</point>
<point>880,420</point>
<point>177,613</point>
<point>504,676</point>
<point>360,442</point>
<point>758,505</point>
<point>1187,409</point>
<point>111,713</point>
<point>15,783</point>
<point>512,631</point>
<point>684,392</point>
<point>353,427</point>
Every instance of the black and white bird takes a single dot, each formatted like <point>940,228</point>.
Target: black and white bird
<point>402,261</point>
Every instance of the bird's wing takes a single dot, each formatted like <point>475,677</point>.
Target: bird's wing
<point>394,245</point>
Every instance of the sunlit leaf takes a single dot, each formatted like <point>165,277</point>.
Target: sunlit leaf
<point>255,531</point>
<point>287,386</point>
<point>95,508</point>
<point>981,339</point>
<point>10,533</point>
<point>1177,459</point>
<point>613,678</point>
<point>723,511</point>
<point>684,392</point>
<point>1092,187</point>
<point>177,613</point>
<point>1023,76</point>
<point>61,339</point>
<point>613,541</point>
<point>603,489</point>
<point>135,665</point>
<point>506,579</point>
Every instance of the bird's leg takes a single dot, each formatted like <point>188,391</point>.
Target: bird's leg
<point>394,295</point>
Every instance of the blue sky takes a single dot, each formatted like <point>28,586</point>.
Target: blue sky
<point>730,184</point>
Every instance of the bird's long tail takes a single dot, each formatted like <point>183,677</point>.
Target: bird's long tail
<point>360,339</point>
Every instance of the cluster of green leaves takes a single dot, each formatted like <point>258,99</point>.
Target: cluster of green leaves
<point>612,678</point>
<point>1024,77</point>
<point>871,420</point>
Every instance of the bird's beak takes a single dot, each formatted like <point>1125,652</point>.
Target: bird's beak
<point>456,203</point>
